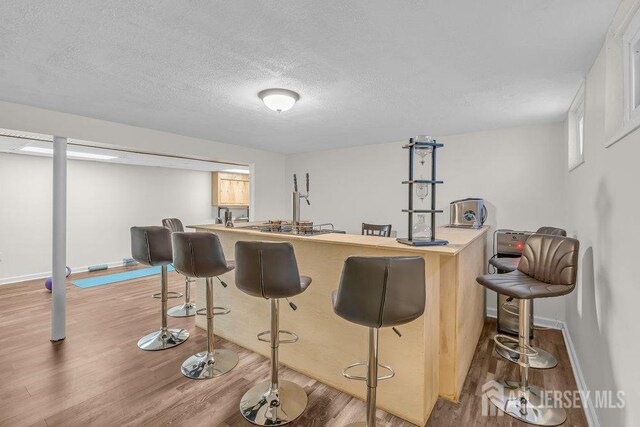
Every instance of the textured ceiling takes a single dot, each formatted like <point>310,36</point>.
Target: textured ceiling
<point>367,71</point>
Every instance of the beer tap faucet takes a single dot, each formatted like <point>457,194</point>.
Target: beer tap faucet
<point>296,196</point>
<point>306,196</point>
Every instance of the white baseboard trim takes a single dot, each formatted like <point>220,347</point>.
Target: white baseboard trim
<point>34,276</point>
<point>589,409</point>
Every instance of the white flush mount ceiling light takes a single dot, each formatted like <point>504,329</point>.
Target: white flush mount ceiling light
<point>279,99</point>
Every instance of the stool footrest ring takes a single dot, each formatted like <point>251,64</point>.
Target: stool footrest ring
<point>346,374</point>
<point>221,311</point>
<point>281,331</point>
<point>526,351</point>
<point>170,295</point>
<point>511,308</point>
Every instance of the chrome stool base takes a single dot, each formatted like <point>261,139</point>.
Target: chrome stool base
<point>165,337</point>
<point>205,365</point>
<point>529,405</point>
<point>274,402</point>
<point>187,309</point>
<point>161,340</point>
<point>543,360</point>
<point>212,362</point>
<point>264,407</point>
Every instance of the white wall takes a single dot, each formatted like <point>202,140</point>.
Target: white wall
<point>518,171</point>
<point>104,201</point>
<point>602,204</point>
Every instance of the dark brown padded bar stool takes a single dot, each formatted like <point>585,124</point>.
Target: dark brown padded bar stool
<point>152,246</point>
<point>379,292</point>
<point>509,264</point>
<point>548,268</point>
<point>201,255</point>
<point>543,359</point>
<point>376,230</point>
<point>269,270</point>
<point>187,309</point>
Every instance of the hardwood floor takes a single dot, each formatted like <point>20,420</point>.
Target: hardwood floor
<point>98,376</point>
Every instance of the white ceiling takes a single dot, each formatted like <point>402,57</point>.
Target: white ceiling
<point>367,71</point>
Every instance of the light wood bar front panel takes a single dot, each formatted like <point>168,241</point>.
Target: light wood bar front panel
<point>462,305</point>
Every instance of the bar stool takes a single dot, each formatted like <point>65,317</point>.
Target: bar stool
<point>269,270</point>
<point>152,246</point>
<point>548,268</point>
<point>508,264</point>
<point>201,255</point>
<point>543,359</point>
<point>187,309</point>
<point>379,292</point>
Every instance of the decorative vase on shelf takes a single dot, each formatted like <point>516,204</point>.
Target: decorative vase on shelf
<point>421,231</point>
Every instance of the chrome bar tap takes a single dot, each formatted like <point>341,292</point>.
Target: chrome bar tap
<point>295,201</point>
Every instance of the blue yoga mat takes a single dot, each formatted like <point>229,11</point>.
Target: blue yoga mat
<point>107,279</point>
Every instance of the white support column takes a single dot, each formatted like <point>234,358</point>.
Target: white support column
<point>59,261</point>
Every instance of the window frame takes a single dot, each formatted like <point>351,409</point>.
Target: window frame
<point>631,68</point>
<point>576,125</point>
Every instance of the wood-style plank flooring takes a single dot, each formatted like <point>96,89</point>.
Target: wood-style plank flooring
<point>98,376</point>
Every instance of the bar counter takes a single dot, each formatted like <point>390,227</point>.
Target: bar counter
<point>431,358</point>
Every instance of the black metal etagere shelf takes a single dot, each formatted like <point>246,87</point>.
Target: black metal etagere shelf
<point>433,182</point>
